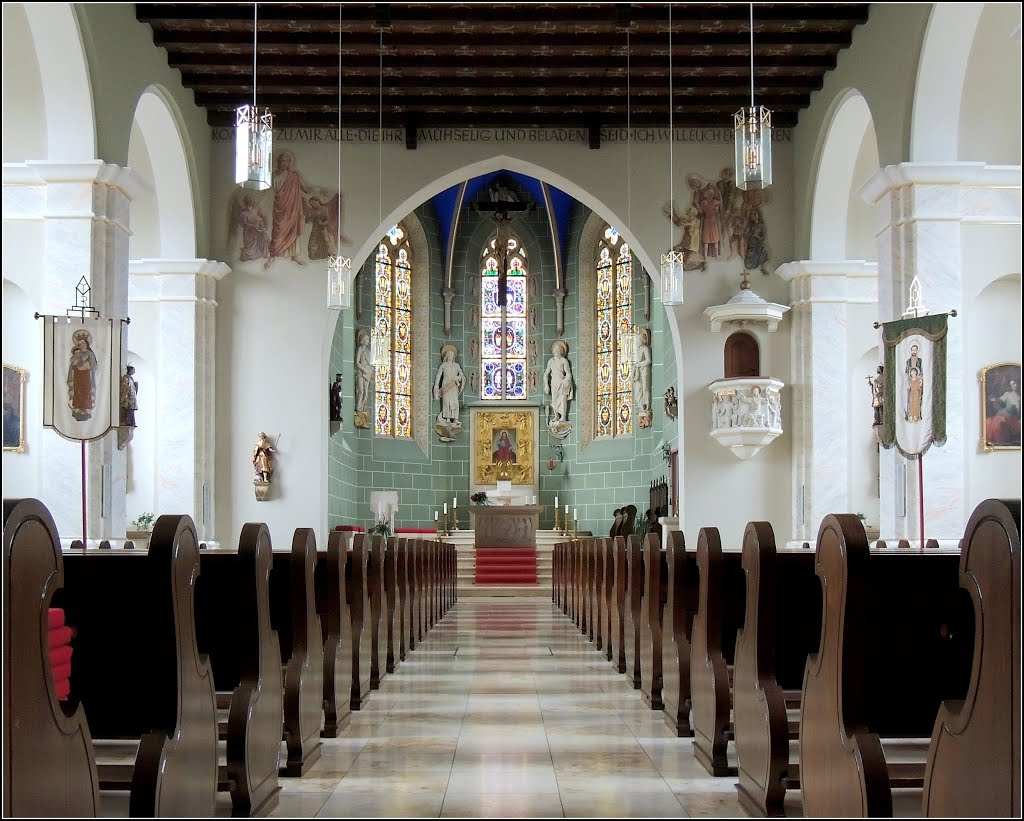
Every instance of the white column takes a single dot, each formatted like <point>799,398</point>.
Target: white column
<point>920,209</point>
<point>183,293</point>
<point>821,293</point>
<point>85,213</point>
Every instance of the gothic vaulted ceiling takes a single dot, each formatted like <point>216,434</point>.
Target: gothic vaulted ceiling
<point>503,64</point>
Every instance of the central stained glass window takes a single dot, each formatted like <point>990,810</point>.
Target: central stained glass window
<point>613,408</point>
<point>393,325</point>
<point>503,327</point>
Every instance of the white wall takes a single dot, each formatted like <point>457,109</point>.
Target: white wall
<point>22,89</point>
<point>860,217</point>
<point>145,238</point>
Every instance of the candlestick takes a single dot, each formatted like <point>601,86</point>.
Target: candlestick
<point>435,515</point>
<point>455,520</point>
<point>446,510</point>
<point>556,503</point>
<point>574,516</point>
<point>455,502</point>
<point>556,518</point>
<point>567,511</point>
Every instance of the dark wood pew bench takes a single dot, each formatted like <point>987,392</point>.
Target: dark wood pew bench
<point>138,673</point>
<point>618,604</point>
<point>631,618</point>
<point>293,615</point>
<point>378,637</point>
<point>392,605</point>
<point>607,562</point>
<point>357,587</point>
<point>335,610</point>
<point>49,759</point>
<point>781,627</point>
<point>677,624</point>
<point>652,608</point>
<point>233,629</point>
<point>896,640</point>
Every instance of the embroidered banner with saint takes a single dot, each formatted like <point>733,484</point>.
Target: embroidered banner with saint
<point>81,368</point>
<point>914,408</point>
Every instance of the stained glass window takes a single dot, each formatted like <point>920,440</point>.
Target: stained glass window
<point>393,324</point>
<point>613,409</point>
<point>503,331</point>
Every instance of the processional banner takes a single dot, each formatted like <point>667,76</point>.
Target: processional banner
<point>81,369</point>
<point>914,405</point>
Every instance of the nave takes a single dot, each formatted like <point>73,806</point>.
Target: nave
<point>505,710</point>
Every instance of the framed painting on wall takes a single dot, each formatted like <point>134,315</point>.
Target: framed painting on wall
<point>1000,406</point>
<point>14,408</point>
<point>504,437</point>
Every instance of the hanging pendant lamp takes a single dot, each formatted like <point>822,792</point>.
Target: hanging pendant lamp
<point>254,132</point>
<point>339,267</point>
<point>753,134</point>
<point>672,260</point>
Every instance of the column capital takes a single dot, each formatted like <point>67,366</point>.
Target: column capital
<point>799,269</point>
<point>89,171</point>
<point>177,267</point>
<point>975,174</point>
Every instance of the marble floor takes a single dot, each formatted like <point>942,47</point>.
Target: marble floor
<point>506,711</point>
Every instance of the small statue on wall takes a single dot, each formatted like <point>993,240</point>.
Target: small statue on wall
<point>129,404</point>
<point>262,463</point>
<point>671,404</point>
<point>642,364</point>
<point>559,385</point>
<point>876,384</point>
<point>364,378</point>
<point>336,398</point>
<point>449,385</point>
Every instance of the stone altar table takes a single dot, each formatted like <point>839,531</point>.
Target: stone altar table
<point>506,526</point>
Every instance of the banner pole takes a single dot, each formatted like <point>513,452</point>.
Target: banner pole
<point>85,532</point>
<point>920,492</point>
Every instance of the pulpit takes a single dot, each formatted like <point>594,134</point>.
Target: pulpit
<point>506,544</point>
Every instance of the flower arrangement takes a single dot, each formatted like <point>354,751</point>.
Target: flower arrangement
<point>480,498</point>
<point>144,521</point>
<point>382,527</point>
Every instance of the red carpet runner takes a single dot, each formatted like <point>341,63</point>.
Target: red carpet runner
<point>506,565</point>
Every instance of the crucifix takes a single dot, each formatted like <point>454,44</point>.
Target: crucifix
<point>502,208</point>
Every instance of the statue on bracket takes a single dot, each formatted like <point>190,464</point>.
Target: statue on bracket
<point>559,386</point>
<point>671,403</point>
<point>262,463</point>
<point>336,398</point>
<point>364,378</point>
<point>642,363</point>
<point>449,384</point>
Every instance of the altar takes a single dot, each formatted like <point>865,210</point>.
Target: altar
<point>505,526</point>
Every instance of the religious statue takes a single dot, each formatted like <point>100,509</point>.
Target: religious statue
<point>336,398</point>
<point>558,384</point>
<point>364,377</point>
<point>82,367</point>
<point>876,385</point>
<point>128,406</point>
<point>671,403</point>
<point>642,364</point>
<point>449,384</point>
<point>262,454</point>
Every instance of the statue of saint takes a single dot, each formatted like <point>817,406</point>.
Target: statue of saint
<point>642,363</point>
<point>364,377</point>
<point>875,383</point>
<point>336,398</point>
<point>262,455</point>
<point>128,405</point>
<point>449,384</point>
<point>558,382</point>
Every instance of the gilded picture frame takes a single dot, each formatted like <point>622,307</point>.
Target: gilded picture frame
<point>494,431</point>
<point>14,408</point>
<point>1000,406</point>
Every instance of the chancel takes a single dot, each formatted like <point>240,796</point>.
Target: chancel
<point>509,494</point>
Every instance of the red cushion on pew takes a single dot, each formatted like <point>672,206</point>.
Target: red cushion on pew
<point>61,672</point>
<point>350,529</point>
<point>55,617</point>
<point>63,690</point>
<point>60,655</point>
<point>60,637</point>
<point>415,530</point>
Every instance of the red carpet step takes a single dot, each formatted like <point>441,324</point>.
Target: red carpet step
<point>506,565</point>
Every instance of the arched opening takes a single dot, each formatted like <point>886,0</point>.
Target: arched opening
<point>842,225</point>
<point>742,356</point>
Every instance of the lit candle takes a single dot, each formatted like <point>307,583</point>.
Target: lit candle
<point>435,515</point>
<point>556,501</point>
<point>567,510</point>
<point>574,514</point>
<point>446,508</point>
<point>533,500</point>
<point>455,502</point>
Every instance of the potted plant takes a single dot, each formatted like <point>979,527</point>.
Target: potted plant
<point>142,527</point>
<point>382,527</point>
<point>480,498</point>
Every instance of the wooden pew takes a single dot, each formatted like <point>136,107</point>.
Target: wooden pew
<point>895,641</point>
<point>336,626</point>
<point>583,611</point>
<point>233,629</point>
<point>143,677</point>
<point>680,608</point>
<point>359,595</point>
<point>573,581</point>
<point>49,762</point>
<point>402,585</point>
<point>712,648</point>
<point>378,641</point>
<point>293,614</point>
<point>781,627</point>
<point>392,655</point>
<point>595,590</point>
<point>607,559</point>
<point>413,582</point>
<point>618,604</point>
<point>634,593</point>
<point>651,608</point>
<point>422,605</point>
<point>556,575</point>
<point>974,759</point>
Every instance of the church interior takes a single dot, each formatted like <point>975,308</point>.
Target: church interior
<point>614,432</point>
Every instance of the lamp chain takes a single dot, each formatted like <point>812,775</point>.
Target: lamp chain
<point>380,134</point>
<point>751,59</point>
<point>338,246</point>
<point>671,134</point>
<point>255,17</point>
<point>629,146</point>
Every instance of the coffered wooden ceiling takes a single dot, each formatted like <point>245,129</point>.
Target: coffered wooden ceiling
<point>503,64</point>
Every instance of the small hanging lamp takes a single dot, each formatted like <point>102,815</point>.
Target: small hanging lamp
<point>753,134</point>
<point>254,132</point>
<point>672,260</point>
<point>339,266</point>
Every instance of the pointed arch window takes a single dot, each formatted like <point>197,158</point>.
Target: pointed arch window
<point>614,303</point>
<point>503,333</point>
<point>393,327</point>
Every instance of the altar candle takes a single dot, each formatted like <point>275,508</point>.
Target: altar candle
<point>455,502</point>
<point>556,501</point>
<point>445,508</point>
<point>574,516</point>
<point>435,515</point>
<point>567,510</point>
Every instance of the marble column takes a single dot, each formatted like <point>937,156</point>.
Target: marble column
<point>821,293</point>
<point>83,211</point>
<point>183,293</point>
<point>920,211</point>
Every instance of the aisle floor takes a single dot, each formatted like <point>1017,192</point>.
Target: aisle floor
<point>506,710</point>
